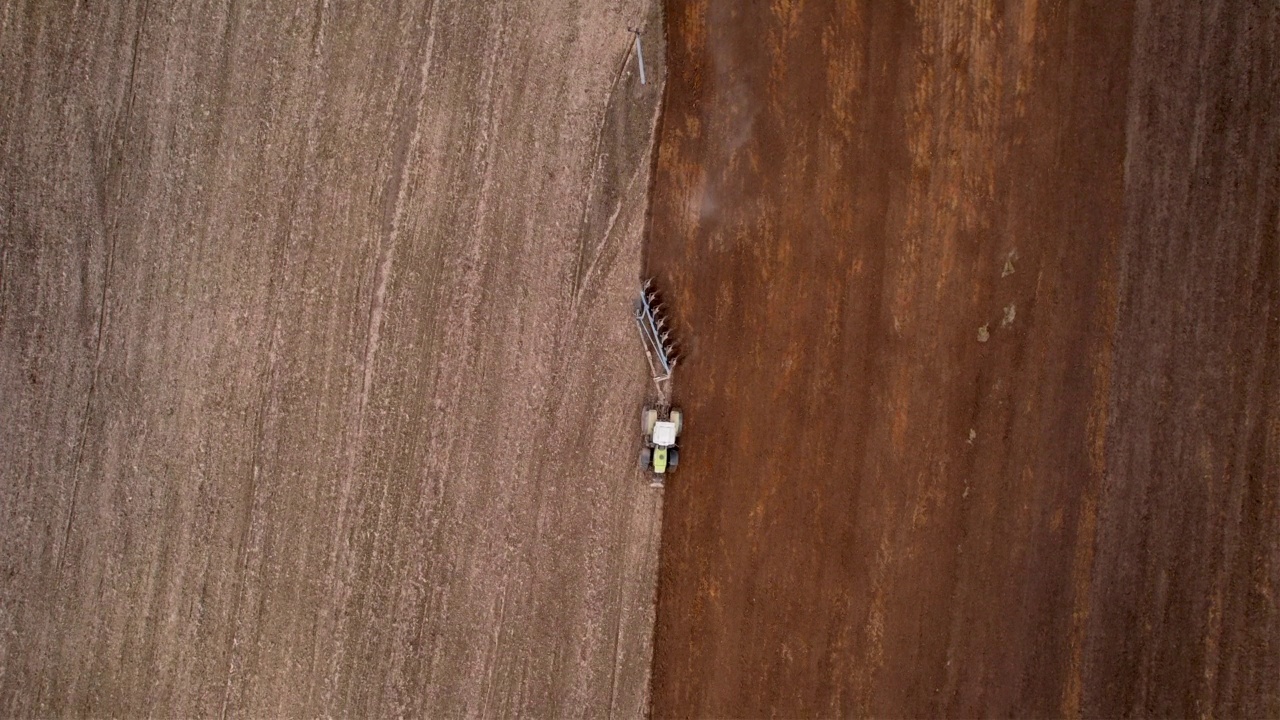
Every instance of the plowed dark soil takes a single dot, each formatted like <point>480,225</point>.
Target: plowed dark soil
<point>981,313</point>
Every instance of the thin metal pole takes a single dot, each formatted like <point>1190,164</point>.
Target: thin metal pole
<point>640,57</point>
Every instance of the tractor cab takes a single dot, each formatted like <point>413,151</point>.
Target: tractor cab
<point>664,433</point>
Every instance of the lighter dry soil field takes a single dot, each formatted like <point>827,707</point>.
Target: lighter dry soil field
<point>317,382</point>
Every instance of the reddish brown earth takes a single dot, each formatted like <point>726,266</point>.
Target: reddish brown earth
<point>981,309</point>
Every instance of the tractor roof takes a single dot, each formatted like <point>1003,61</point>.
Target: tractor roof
<point>664,433</point>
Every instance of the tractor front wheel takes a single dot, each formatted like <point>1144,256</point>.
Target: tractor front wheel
<point>673,458</point>
<point>646,457</point>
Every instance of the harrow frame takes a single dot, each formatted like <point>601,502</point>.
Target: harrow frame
<point>656,336</point>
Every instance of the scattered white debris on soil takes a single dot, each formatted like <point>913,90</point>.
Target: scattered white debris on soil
<point>984,334</point>
<point>1008,263</point>
<point>1009,313</point>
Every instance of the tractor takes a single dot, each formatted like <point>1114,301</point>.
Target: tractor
<point>659,452</point>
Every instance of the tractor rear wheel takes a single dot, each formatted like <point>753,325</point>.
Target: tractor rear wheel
<point>646,457</point>
<point>648,419</point>
<point>677,418</point>
<point>673,458</point>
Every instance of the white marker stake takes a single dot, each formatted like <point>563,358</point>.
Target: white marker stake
<point>640,57</point>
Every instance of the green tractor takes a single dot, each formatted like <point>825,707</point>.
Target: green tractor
<point>659,453</point>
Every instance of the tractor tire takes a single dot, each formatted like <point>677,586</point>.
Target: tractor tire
<point>673,458</point>
<point>648,419</point>
<point>677,417</point>
<point>646,457</point>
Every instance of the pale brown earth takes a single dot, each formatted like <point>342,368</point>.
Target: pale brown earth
<point>980,304</point>
<point>317,378</point>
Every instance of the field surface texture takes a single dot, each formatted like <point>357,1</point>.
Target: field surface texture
<point>317,377</point>
<point>981,312</point>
